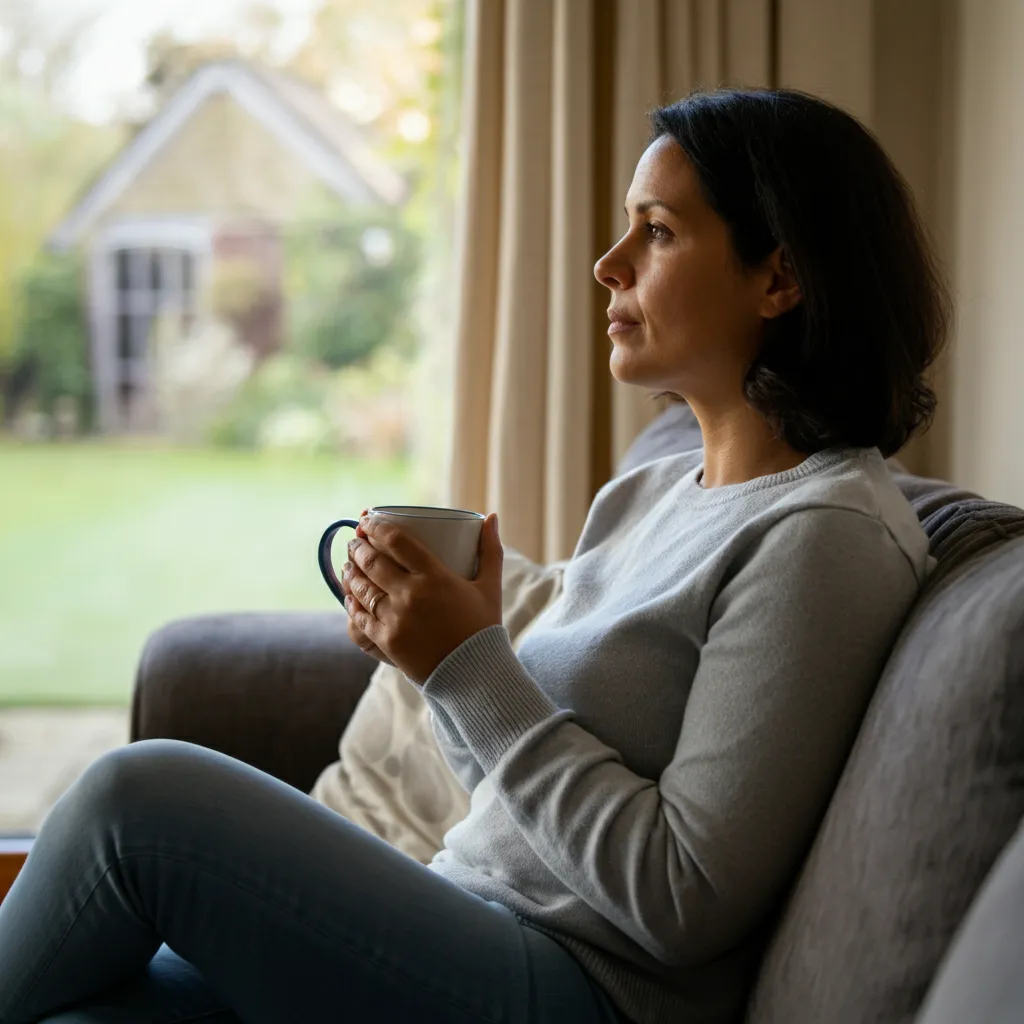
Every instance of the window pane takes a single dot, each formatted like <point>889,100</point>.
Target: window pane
<point>155,276</point>
<point>122,270</point>
<point>139,334</point>
<point>170,276</point>
<point>124,350</point>
<point>138,269</point>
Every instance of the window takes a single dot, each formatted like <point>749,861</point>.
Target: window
<point>237,286</point>
<point>148,282</point>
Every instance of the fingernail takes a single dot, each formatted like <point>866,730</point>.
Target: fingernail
<point>346,568</point>
<point>348,604</point>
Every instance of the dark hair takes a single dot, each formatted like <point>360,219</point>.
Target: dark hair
<point>782,168</point>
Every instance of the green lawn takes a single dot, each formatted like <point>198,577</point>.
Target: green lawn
<point>101,543</point>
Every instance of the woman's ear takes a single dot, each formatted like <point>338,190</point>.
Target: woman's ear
<point>783,291</point>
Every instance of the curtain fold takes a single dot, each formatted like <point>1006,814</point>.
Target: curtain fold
<point>556,96</point>
<point>476,255</point>
<point>573,357</point>
<point>639,77</point>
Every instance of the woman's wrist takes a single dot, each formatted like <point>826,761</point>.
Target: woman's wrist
<point>485,690</point>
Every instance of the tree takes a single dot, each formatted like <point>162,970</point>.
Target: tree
<point>169,60</point>
<point>350,275</point>
<point>47,155</point>
<point>376,61</point>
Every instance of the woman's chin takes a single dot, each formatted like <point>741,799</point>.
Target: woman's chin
<point>619,364</point>
<point>626,369</point>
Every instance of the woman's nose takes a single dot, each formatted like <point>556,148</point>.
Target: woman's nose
<point>613,271</point>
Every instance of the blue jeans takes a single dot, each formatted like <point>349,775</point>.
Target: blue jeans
<point>171,883</point>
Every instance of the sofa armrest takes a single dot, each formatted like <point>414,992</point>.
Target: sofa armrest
<point>272,689</point>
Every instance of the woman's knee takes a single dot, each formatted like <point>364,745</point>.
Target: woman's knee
<point>136,775</point>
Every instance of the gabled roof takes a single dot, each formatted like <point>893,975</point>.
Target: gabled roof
<point>294,112</point>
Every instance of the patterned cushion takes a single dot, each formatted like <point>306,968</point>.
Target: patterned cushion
<point>932,792</point>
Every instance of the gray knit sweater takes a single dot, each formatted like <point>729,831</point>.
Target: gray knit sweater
<point>648,774</point>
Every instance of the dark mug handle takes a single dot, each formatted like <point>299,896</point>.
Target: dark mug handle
<point>324,556</point>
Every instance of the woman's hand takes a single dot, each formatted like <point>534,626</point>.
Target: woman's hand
<point>411,607</point>
<point>355,634</point>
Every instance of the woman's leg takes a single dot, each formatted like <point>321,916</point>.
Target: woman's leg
<point>279,910</point>
<point>169,990</point>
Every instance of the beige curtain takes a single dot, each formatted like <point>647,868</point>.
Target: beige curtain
<point>556,93</point>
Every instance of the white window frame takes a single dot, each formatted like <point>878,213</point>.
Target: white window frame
<point>191,234</point>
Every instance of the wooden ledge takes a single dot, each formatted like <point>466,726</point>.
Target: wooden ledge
<point>13,851</point>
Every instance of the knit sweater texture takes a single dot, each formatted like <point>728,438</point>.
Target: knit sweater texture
<point>647,774</point>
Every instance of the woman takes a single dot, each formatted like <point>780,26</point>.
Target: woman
<point>649,772</point>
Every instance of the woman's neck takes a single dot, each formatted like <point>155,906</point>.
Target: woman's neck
<point>739,445</point>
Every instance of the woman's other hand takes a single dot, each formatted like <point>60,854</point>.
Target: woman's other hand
<point>355,634</point>
<point>361,640</point>
<point>410,606</point>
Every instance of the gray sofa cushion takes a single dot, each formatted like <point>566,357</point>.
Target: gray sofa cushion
<point>930,795</point>
<point>672,431</point>
<point>980,980</point>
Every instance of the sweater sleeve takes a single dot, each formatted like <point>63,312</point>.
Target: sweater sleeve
<point>527,587</point>
<point>453,747</point>
<point>688,863</point>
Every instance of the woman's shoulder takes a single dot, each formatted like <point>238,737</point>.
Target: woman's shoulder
<point>858,482</point>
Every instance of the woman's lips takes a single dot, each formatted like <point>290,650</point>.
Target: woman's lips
<point>617,326</point>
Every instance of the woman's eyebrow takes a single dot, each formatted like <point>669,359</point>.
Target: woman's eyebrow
<point>649,204</point>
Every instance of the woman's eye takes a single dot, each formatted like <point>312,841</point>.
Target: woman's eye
<point>655,231</point>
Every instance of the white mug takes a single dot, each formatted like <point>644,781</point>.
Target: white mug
<point>451,534</point>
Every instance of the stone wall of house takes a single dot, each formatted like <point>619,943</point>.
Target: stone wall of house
<point>224,163</point>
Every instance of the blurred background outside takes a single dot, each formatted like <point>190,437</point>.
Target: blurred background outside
<point>225,305</point>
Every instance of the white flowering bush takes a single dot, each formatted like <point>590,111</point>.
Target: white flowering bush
<point>196,375</point>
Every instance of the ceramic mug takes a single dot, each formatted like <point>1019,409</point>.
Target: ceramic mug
<point>451,534</point>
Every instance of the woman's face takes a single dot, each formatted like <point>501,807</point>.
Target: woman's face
<point>696,312</point>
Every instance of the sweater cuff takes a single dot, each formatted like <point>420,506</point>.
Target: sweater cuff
<point>484,690</point>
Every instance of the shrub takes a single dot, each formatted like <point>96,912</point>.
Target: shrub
<point>350,279</point>
<point>51,363</point>
<point>284,381</point>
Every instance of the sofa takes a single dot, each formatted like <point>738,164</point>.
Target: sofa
<point>906,897</point>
